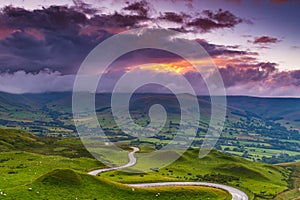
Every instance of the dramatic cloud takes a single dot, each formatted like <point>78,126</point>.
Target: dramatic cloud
<point>140,8</point>
<point>47,45</point>
<point>55,18</point>
<point>276,84</point>
<point>234,75</point>
<point>210,20</point>
<point>59,37</point>
<point>62,51</point>
<point>265,40</point>
<point>174,17</point>
<point>138,12</point>
<point>44,81</point>
<point>47,38</point>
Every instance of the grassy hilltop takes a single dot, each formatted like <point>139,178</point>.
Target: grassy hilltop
<point>69,184</point>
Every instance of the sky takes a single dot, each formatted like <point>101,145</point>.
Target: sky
<point>255,44</point>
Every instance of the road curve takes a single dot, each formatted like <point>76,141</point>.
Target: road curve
<point>132,161</point>
<point>235,193</point>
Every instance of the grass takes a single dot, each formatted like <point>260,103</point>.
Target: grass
<point>115,157</point>
<point>52,157</point>
<point>216,167</point>
<point>18,168</point>
<point>28,175</point>
<point>18,140</point>
<point>293,192</point>
<point>69,184</point>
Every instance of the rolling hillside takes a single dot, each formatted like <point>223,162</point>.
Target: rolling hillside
<point>215,167</point>
<point>69,184</point>
<point>52,171</point>
<point>19,140</point>
<point>52,175</point>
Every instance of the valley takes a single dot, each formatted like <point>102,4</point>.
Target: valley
<point>247,132</point>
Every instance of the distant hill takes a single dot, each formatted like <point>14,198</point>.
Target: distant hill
<point>283,110</point>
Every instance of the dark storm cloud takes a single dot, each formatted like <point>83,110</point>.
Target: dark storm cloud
<point>64,43</point>
<point>174,17</point>
<point>59,37</point>
<point>217,20</point>
<point>53,18</point>
<point>62,51</point>
<point>140,8</point>
<point>266,40</point>
<point>138,12</point>
<point>59,27</point>
<point>115,20</point>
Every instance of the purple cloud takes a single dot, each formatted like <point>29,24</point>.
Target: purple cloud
<point>265,40</point>
<point>217,20</point>
<point>174,17</point>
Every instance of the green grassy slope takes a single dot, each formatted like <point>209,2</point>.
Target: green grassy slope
<point>69,184</point>
<point>59,177</point>
<point>16,139</point>
<point>18,168</point>
<point>293,192</point>
<point>216,167</point>
<point>13,139</point>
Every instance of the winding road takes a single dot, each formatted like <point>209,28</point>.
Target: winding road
<point>132,161</point>
<point>235,193</point>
